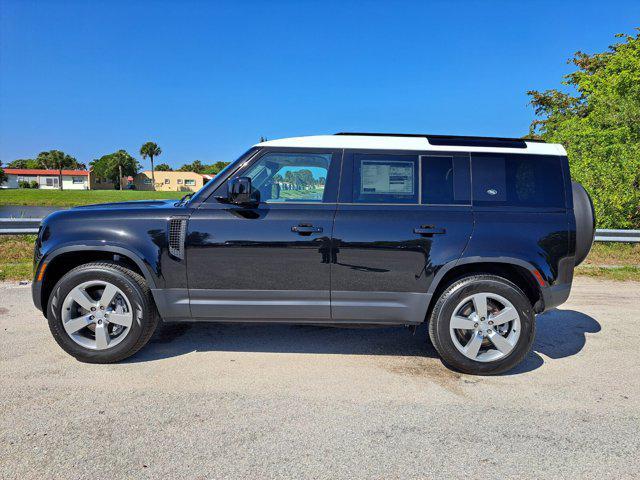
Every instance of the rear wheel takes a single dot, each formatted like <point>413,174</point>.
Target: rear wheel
<point>101,313</point>
<point>482,324</point>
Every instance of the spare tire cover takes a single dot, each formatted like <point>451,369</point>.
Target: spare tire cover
<point>585,221</point>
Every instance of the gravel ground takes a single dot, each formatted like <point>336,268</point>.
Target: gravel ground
<point>213,401</point>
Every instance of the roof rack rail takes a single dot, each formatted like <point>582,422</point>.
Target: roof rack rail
<point>456,140</point>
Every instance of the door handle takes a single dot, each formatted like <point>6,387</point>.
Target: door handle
<point>305,229</point>
<point>428,230</point>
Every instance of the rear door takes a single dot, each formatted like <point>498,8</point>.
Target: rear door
<point>271,262</point>
<point>400,218</point>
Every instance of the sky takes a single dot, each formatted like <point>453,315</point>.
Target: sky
<point>205,80</point>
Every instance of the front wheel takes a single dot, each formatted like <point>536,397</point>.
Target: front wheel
<point>482,325</point>
<point>101,313</point>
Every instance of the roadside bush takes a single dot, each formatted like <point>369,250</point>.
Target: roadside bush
<point>597,119</point>
<point>23,184</point>
<point>34,184</point>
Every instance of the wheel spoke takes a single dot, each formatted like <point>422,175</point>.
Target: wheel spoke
<point>462,323</point>
<point>480,304</point>
<point>124,319</point>
<point>472,347</point>
<point>81,298</point>
<point>75,324</point>
<point>500,342</point>
<point>109,292</point>
<point>102,336</point>
<point>507,314</point>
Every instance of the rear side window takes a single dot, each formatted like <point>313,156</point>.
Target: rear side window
<point>445,180</point>
<point>385,178</point>
<point>517,180</point>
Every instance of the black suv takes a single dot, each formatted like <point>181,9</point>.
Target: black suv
<point>473,235</point>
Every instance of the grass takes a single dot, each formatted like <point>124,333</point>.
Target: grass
<point>72,198</point>
<point>612,261</point>
<point>614,254</point>
<point>621,273</point>
<point>16,257</point>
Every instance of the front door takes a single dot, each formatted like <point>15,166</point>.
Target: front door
<point>401,216</point>
<point>271,262</point>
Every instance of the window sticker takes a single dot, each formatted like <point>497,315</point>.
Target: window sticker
<point>380,177</point>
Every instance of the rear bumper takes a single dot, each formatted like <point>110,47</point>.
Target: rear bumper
<point>555,295</point>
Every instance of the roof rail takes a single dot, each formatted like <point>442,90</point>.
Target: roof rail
<point>455,140</point>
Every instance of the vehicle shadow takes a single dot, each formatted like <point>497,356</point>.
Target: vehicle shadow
<point>560,333</point>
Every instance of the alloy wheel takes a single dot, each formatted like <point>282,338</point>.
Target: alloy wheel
<point>97,315</point>
<point>485,327</point>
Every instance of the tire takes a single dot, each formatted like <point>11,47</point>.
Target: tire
<point>585,221</point>
<point>133,302</point>
<point>450,342</point>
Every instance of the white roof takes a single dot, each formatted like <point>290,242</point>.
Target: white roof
<point>402,143</point>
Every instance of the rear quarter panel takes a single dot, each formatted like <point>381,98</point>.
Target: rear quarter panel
<point>540,239</point>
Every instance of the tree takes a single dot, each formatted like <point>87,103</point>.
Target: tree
<point>218,166</point>
<point>151,150</point>
<point>199,167</point>
<point>214,168</point>
<point>57,160</point>
<point>30,163</point>
<point>597,119</point>
<point>163,167</point>
<point>196,167</point>
<point>114,166</point>
<point>3,176</point>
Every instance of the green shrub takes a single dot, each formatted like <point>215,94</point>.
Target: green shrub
<point>34,184</point>
<point>23,184</point>
<point>597,120</point>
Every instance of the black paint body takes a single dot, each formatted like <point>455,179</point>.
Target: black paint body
<point>364,262</point>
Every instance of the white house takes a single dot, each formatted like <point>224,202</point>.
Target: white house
<point>47,179</point>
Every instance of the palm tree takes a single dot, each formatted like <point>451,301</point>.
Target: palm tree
<point>151,149</point>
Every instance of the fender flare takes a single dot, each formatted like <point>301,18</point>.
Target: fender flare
<point>134,256</point>
<point>480,259</point>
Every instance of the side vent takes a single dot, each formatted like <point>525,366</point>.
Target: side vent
<point>177,232</point>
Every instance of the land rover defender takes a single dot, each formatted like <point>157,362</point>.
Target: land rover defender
<point>473,235</point>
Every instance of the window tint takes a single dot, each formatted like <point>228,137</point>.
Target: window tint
<point>385,178</point>
<point>290,177</point>
<point>445,180</point>
<point>517,180</point>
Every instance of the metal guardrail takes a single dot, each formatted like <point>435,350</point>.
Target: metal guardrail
<point>23,226</point>
<point>608,235</point>
<point>19,226</point>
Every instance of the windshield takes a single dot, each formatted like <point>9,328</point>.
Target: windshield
<point>222,173</point>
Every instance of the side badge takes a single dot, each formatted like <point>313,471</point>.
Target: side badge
<point>492,191</point>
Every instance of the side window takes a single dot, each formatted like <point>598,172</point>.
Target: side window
<point>517,180</point>
<point>385,178</point>
<point>290,177</point>
<point>445,180</point>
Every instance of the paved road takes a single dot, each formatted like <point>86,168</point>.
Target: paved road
<point>212,401</point>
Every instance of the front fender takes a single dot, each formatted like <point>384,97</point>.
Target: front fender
<point>147,268</point>
<point>137,234</point>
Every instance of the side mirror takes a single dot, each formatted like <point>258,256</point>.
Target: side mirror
<point>239,192</point>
